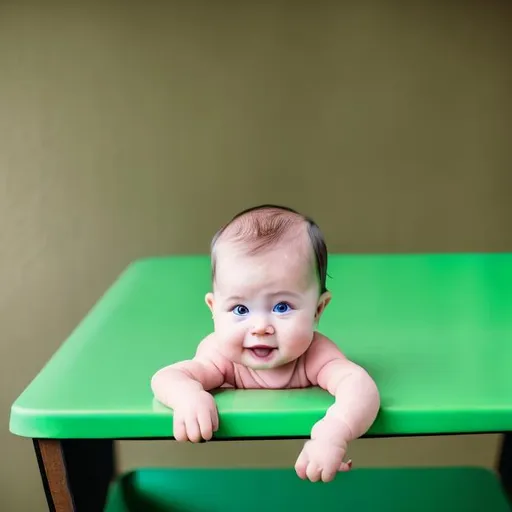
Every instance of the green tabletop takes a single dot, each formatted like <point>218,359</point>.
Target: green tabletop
<point>435,331</point>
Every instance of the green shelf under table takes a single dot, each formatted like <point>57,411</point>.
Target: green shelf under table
<point>277,490</point>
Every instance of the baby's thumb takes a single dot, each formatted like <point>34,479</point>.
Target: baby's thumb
<point>346,466</point>
<point>301,465</point>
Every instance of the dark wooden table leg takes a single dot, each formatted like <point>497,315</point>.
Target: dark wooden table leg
<point>505,463</point>
<point>76,473</point>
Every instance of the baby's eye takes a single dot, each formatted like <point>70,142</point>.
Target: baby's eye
<point>282,307</point>
<point>240,310</point>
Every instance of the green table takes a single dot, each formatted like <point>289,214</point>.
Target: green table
<point>435,331</point>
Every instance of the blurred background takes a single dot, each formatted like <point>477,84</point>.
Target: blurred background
<point>130,129</point>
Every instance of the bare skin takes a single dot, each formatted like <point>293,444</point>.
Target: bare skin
<point>265,309</point>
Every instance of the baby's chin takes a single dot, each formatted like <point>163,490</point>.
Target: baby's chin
<point>263,366</point>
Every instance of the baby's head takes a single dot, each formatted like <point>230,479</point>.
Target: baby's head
<point>269,267</point>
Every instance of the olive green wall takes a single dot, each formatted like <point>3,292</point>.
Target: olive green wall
<point>135,128</point>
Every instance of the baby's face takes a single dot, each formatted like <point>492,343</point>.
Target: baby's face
<point>265,307</point>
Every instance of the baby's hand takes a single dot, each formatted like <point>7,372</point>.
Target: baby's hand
<point>321,460</point>
<point>196,417</point>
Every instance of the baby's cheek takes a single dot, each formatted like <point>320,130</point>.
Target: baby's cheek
<point>303,324</point>
<point>231,338</point>
<point>299,333</point>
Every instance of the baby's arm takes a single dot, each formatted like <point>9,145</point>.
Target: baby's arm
<point>184,387</point>
<point>355,409</point>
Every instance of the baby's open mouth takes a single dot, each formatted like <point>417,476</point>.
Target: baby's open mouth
<point>261,351</point>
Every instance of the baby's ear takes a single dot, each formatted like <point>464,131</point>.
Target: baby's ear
<point>209,300</point>
<point>323,301</point>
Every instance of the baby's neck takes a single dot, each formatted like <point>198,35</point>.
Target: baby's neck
<point>289,375</point>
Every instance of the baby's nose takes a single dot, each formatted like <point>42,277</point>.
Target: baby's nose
<point>261,328</point>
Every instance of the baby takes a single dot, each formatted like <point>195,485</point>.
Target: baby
<point>269,266</point>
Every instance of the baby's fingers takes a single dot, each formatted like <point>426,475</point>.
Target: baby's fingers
<point>330,469</point>
<point>346,466</point>
<point>313,472</point>
<point>179,430</point>
<point>193,429</point>
<point>328,474</point>
<point>215,419</point>
<point>204,419</point>
<point>301,465</point>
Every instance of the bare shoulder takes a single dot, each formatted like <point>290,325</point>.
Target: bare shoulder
<point>320,353</point>
<point>206,345</point>
<point>324,347</point>
<point>208,352</point>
